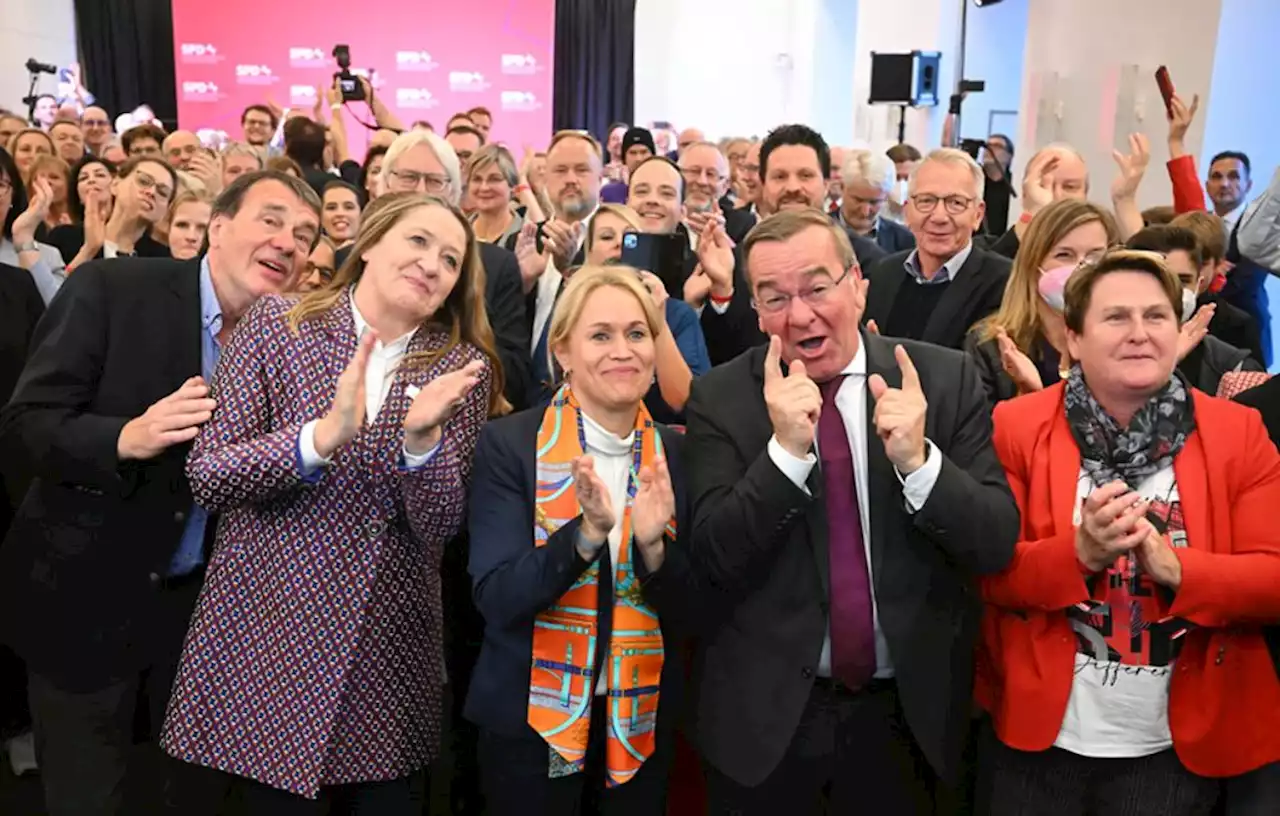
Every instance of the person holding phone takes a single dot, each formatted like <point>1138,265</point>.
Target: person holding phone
<point>680,350</point>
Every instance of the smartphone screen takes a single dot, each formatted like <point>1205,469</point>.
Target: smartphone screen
<point>662,255</point>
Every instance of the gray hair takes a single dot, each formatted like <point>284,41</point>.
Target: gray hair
<point>955,157</point>
<point>443,152</point>
<point>498,155</point>
<point>872,168</point>
<point>243,149</point>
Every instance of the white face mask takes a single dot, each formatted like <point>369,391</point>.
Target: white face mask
<point>1188,304</point>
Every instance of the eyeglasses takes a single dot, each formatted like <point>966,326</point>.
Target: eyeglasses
<point>94,122</point>
<point>325,272</point>
<point>698,173</point>
<point>778,302</point>
<point>411,180</point>
<point>5,185</point>
<point>955,204</point>
<point>145,182</point>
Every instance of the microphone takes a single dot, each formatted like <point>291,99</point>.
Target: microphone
<point>35,67</point>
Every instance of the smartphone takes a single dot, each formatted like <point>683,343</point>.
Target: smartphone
<point>663,255</point>
<point>1166,88</point>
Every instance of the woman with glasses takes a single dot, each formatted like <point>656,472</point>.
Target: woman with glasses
<point>1123,660</point>
<point>320,269</point>
<point>89,202</point>
<point>492,178</point>
<point>1022,348</point>
<point>142,191</point>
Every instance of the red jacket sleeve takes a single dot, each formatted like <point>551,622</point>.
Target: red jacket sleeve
<point>1188,196</point>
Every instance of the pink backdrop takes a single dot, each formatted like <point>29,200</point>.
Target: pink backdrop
<point>429,60</point>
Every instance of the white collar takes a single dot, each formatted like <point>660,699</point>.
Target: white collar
<point>858,365</point>
<point>604,441</point>
<point>396,347</point>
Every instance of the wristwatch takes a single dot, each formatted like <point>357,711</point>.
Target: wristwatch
<point>28,246</point>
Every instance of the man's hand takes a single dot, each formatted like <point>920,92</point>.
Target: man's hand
<point>1037,184</point>
<point>1195,329</point>
<point>1131,167</point>
<point>899,415</point>
<point>208,169</point>
<point>715,256</point>
<point>793,400</point>
<point>696,288</point>
<point>562,241</point>
<point>1109,525</point>
<point>532,262</point>
<point>171,421</point>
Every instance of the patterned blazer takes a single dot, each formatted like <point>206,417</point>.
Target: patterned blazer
<point>315,654</point>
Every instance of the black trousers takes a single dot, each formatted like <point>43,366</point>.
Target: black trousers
<point>1256,793</point>
<point>206,792</point>
<point>1059,783</point>
<point>89,765</point>
<point>852,753</point>
<point>513,772</point>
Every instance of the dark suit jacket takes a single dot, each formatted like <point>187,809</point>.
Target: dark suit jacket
<point>504,301</point>
<point>975,293</point>
<point>762,542</point>
<point>20,309</point>
<point>513,580</point>
<point>737,222</point>
<point>893,237</point>
<point>1233,326</point>
<point>80,570</point>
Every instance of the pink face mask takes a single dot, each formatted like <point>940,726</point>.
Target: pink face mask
<point>1052,283</point>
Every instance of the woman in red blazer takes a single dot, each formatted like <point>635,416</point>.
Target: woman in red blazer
<point>1122,660</point>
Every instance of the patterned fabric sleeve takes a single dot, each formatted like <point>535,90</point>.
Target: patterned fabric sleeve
<point>236,459</point>
<point>435,495</point>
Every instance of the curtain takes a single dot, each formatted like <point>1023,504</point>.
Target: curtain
<point>594,80</point>
<point>126,54</point>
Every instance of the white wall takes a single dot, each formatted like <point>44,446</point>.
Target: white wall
<point>1092,46</point>
<point>994,52</point>
<point>44,29</point>
<point>728,67</point>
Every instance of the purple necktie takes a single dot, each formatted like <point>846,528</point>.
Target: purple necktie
<point>853,639</point>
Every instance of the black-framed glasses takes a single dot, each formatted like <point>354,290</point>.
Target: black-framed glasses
<point>778,302</point>
<point>954,204</point>
<point>431,182</point>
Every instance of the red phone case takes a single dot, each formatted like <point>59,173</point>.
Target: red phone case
<point>1166,88</point>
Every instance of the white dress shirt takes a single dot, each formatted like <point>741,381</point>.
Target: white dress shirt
<point>547,287</point>
<point>378,376</point>
<point>612,457</point>
<point>851,402</point>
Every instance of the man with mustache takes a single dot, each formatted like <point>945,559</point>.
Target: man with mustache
<point>105,557</point>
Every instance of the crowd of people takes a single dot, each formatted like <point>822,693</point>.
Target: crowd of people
<point>848,497</point>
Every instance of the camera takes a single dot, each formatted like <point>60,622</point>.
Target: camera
<point>34,66</point>
<point>348,83</point>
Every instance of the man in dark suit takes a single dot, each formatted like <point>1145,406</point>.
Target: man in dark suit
<point>939,290</point>
<point>422,161</point>
<point>105,557</point>
<point>838,656</point>
<point>868,179</point>
<point>706,180</point>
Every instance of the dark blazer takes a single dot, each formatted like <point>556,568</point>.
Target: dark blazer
<point>81,568</point>
<point>504,301</point>
<point>762,542</point>
<point>893,237</point>
<point>20,309</point>
<point>1233,326</point>
<point>975,293</point>
<point>737,222</point>
<point>68,238</point>
<point>513,580</point>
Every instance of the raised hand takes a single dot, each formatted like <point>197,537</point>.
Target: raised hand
<point>1131,167</point>
<point>25,225</point>
<point>593,499</point>
<point>793,400</point>
<point>653,507</point>
<point>95,220</point>
<point>696,288</point>
<point>1037,185</point>
<point>1180,118</point>
<point>715,256</point>
<point>1017,365</point>
<point>1195,329</point>
<point>1111,524</point>
<point>435,403</point>
<point>562,241</point>
<point>171,421</point>
<point>699,219</point>
<point>208,169</point>
<point>899,415</point>
<point>532,262</point>
<point>346,416</point>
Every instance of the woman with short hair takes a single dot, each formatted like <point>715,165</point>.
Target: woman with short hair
<point>491,180</point>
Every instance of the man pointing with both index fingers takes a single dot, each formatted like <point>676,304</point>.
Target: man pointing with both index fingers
<point>843,510</point>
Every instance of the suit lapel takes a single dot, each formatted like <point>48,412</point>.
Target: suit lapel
<point>959,297</point>
<point>1064,471</point>
<point>186,325</point>
<point>884,498</point>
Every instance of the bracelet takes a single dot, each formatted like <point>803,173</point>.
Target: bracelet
<point>1025,218</point>
<point>520,189</point>
<point>720,301</point>
<point>335,106</point>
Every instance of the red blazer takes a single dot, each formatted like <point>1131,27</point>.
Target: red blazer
<point>1224,698</point>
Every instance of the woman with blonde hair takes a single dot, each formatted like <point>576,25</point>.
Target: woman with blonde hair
<point>188,223</point>
<point>576,569</point>
<point>26,146</point>
<point>1022,348</point>
<point>314,667</point>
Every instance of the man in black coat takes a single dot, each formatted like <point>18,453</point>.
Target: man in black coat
<point>105,557</point>
<point>939,290</point>
<point>842,581</point>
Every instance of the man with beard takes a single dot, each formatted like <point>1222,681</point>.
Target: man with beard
<point>549,250</point>
<point>706,179</point>
<point>106,555</point>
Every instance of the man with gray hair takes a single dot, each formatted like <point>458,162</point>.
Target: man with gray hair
<point>106,555</point>
<point>938,290</point>
<point>421,161</point>
<point>868,180</point>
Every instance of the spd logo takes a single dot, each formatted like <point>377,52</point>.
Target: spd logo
<point>255,75</point>
<point>520,64</point>
<point>467,81</point>
<point>300,57</point>
<point>415,99</point>
<point>303,96</point>
<point>199,92</point>
<point>415,61</point>
<point>199,53</point>
<point>519,101</point>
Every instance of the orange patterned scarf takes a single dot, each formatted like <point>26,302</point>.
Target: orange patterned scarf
<point>563,679</point>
